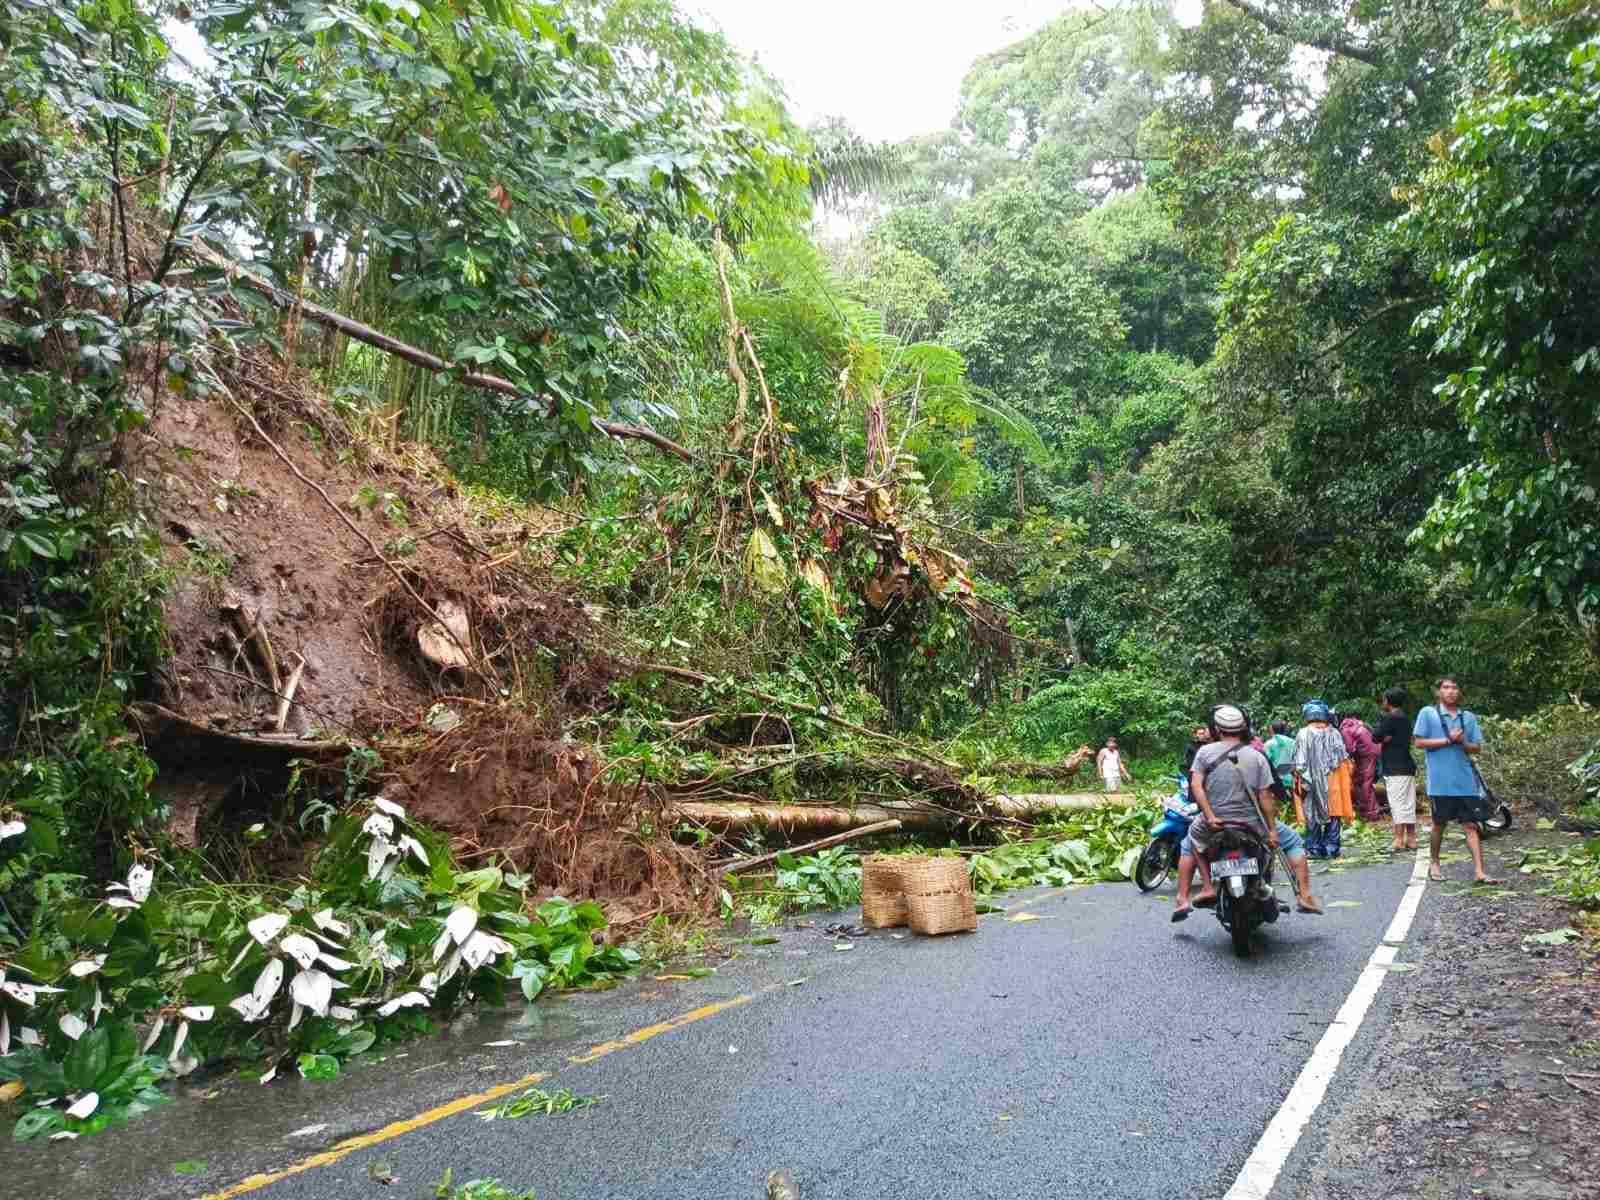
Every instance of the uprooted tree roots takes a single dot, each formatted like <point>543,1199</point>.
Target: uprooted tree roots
<point>506,790</point>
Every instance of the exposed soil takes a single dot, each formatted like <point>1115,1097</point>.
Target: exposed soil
<point>1486,1077</point>
<point>238,526</point>
<point>234,519</point>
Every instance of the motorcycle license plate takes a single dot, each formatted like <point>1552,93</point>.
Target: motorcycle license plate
<point>1225,867</point>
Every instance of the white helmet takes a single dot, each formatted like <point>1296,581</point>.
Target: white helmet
<point>1228,719</point>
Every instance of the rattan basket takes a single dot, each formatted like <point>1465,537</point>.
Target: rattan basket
<point>883,900</point>
<point>938,895</point>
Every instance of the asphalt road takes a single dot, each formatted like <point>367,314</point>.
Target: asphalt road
<point>1077,1053</point>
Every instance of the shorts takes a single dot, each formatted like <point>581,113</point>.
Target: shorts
<point>1459,808</point>
<point>1402,791</point>
<point>1289,841</point>
<point>1113,781</point>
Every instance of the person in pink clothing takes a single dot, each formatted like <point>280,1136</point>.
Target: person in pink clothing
<point>1359,742</point>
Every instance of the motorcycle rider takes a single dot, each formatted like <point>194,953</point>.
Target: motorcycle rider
<point>1240,780</point>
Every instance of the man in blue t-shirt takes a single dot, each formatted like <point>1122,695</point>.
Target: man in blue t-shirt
<point>1450,734</point>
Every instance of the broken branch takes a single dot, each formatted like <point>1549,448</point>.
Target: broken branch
<point>750,864</point>
<point>253,631</point>
<point>412,354</point>
<point>289,689</point>
<point>688,676</point>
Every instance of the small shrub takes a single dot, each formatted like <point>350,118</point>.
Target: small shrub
<point>1527,759</point>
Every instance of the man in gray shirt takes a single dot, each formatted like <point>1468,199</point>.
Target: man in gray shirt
<point>1230,781</point>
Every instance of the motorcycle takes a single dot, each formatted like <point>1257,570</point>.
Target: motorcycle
<point>1160,857</point>
<point>1499,819</point>
<point>1241,866</point>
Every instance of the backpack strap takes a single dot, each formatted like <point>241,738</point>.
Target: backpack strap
<point>1274,784</point>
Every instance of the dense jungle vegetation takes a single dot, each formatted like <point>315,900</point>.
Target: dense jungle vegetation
<point>1248,359</point>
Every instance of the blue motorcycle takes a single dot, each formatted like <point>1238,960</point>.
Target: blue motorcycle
<point>1160,857</point>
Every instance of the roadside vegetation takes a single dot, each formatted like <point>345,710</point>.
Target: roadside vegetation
<point>513,318</point>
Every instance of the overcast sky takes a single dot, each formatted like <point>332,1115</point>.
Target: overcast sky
<point>892,68</point>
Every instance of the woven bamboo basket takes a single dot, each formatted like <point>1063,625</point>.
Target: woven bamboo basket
<point>883,900</point>
<point>939,896</point>
<point>942,912</point>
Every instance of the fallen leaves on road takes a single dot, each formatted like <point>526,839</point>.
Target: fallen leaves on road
<point>537,1102</point>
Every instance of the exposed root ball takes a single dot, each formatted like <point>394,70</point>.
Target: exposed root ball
<point>503,789</point>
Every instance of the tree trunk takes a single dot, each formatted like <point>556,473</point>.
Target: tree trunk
<point>816,819</point>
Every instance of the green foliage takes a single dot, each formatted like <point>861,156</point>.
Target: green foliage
<point>1092,704</point>
<point>238,972</point>
<point>80,575</point>
<point>536,1102</point>
<point>477,1189</point>
<point>105,1062</point>
<point>1574,875</point>
<point>1082,848</point>
<point>1505,219</point>
<point>830,879</point>
<point>1168,299</point>
<point>1535,759</point>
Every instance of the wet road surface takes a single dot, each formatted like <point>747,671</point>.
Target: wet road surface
<point>1072,1053</point>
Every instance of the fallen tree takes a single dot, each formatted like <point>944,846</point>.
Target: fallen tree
<point>800,819</point>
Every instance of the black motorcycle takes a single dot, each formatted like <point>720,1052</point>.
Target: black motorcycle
<point>1241,866</point>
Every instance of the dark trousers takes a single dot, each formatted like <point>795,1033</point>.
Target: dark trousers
<point>1365,800</point>
<point>1322,841</point>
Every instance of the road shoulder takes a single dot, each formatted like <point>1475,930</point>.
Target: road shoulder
<point>1482,1075</point>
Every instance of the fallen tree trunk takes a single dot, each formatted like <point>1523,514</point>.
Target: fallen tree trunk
<point>761,860</point>
<point>1029,805</point>
<point>367,335</point>
<point>803,818</point>
<point>791,819</point>
<point>835,774</point>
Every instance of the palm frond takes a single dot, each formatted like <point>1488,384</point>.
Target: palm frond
<point>845,165</point>
<point>1013,426</point>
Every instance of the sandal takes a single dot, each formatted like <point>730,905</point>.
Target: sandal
<point>1205,901</point>
<point>1180,914</point>
<point>1435,875</point>
<point>1312,906</point>
<point>1486,881</point>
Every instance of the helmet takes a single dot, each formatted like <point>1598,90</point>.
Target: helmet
<point>1316,710</point>
<point>1229,719</point>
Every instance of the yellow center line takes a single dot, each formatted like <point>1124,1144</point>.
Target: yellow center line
<point>395,1129</point>
<point>650,1031</point>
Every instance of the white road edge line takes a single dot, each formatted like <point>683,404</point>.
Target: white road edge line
<point>1260,1171</point>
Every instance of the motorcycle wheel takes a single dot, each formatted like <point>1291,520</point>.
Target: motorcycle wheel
<point>1241,935</point>
<point>1154,865</point>
<point>1499,821</point>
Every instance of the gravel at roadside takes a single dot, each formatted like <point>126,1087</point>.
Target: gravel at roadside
<point>1485,1078</point>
